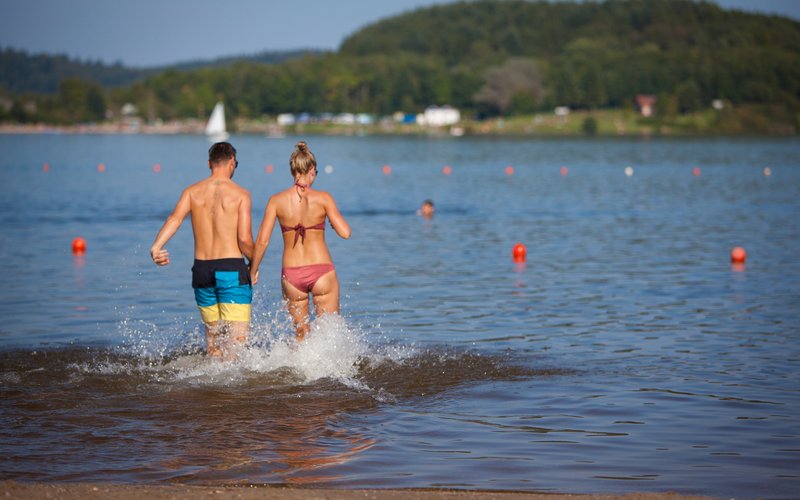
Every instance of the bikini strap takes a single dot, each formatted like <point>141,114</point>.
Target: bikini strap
<point>300,187</point>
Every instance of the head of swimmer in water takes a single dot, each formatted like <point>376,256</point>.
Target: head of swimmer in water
<point>222,154</point>
<point>303,164</point>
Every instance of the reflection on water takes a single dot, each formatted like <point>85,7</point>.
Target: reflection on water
<point>281,412</point>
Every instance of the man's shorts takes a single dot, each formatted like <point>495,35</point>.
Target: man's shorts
<point>222,289</point>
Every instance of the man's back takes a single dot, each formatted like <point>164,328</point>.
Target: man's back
<point>217,207</point>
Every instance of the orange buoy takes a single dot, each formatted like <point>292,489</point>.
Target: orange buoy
<point>519,252</point>
<point>46,167</point>
<point>78,246</point>
<point>564,171</point>
<point>738,255</point>
<point>156,168</point>
<point>509,170</point>
<point>387,170</point>
<point>696,171</point>
<point>101,167</point>
<point>447,170</point>
<point>268,169</point>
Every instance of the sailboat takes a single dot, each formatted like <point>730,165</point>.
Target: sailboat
<point>215,129</point>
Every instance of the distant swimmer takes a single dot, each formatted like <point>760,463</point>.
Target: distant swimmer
<point>427,209</point>
<point>307,265</point>
<point>221,223</point>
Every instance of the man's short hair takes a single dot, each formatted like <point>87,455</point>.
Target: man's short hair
<point>221,151</point>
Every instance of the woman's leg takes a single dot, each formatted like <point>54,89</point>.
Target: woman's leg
<point>326,294</point>
<point>297,302</point>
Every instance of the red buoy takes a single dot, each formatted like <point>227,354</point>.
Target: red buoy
<point>268,168</point>
<point>156,168</point>
<point>387,170</point>
<point>447,170</point>
<point>101,167</point>
<point>78,246</point>
<point>519,252</point>
<point>46,167</point>
<point>696,171</point>
<point>509,170</point>
<point>564,171</point>
<point>738,255</point>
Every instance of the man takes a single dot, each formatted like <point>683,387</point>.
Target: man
<point>220,213</point>
<point>426,210</point>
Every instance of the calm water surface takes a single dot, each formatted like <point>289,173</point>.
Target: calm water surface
<point>626,353</point>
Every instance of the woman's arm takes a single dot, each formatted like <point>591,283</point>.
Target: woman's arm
<point>262,240</point>
<point>337,221</point>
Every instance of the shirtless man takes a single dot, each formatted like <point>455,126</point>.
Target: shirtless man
<point>220,213</point>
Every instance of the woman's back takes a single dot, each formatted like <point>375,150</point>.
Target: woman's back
<point>302,219</point>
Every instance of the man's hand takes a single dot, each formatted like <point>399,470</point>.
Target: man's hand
<point>160,257</point>
<point>253,277</point>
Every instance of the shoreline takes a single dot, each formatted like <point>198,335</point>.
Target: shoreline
<point>604,124</point>
<point>14,489</point>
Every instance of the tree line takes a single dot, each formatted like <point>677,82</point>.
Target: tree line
<point>488,58</point>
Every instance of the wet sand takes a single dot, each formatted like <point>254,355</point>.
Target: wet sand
<point>12,489</point>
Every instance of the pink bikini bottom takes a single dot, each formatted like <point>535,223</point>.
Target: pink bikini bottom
<point>305,277</point>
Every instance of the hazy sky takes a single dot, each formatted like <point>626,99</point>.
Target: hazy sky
<point>156,32</point>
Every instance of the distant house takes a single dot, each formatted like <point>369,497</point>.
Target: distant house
<point>646,103</point>
<point>439,116</point>
<point>286,119</point>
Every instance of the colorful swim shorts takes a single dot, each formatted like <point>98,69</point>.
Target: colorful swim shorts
<point>222,289</point>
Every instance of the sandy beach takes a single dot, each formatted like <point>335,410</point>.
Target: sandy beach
<point>12,489</point>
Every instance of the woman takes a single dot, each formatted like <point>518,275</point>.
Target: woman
<point>307,265</point>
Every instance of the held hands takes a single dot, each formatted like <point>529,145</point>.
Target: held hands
<point>253,277</point>
<point>160,257</point>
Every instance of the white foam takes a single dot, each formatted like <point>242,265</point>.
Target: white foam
<point>334,349</point>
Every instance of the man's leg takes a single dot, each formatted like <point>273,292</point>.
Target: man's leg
<point>213,344</point>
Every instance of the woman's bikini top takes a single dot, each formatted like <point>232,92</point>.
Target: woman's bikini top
<point>300,230</point>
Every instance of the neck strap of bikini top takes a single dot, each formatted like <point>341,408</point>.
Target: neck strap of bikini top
<point>300,188</point>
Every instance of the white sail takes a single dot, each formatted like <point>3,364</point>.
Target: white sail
<point>215,129</point>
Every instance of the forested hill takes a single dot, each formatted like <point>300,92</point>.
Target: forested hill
<point>470,31</point>
<point>487,58</point>
<point>23,72</point>
<point>627,46</point>
<point>42,73</point>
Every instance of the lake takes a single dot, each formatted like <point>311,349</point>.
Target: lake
<point>626,353</point>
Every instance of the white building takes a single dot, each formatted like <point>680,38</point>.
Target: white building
<point>436,116</point>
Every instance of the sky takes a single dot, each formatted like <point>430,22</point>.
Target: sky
<point>145,33</point>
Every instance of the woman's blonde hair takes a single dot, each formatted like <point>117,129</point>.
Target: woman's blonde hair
<point>302,159</point>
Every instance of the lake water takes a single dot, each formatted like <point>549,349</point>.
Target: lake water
<point>625,354</point>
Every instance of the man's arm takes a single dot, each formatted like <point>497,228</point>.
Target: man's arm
<point>170,227</point>
<point>262,240</point>
<point>244,230</point>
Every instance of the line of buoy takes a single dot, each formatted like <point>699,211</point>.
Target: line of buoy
<point>447,170</point>
<point>101,167</point>
<point>156,168</point>
<point>387,170</point>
